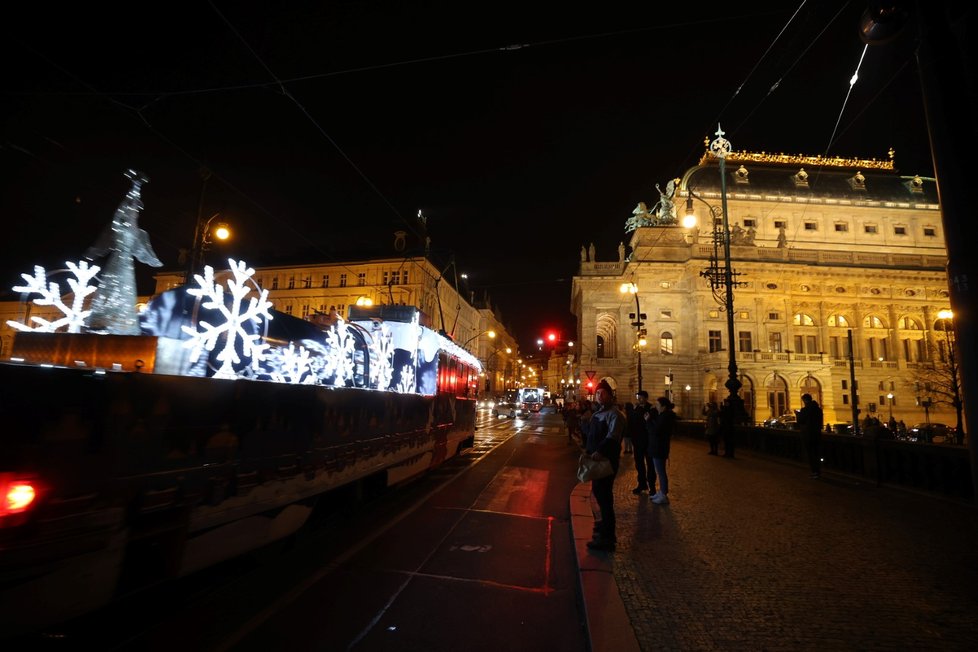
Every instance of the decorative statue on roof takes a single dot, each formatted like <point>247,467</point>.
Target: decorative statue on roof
<point>113,309</point>
<point>667,209</point>
<point>663,213</point>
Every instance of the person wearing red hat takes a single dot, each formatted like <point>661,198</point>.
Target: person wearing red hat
<point>604,435</point>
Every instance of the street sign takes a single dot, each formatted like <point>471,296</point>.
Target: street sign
<point>590,374</point>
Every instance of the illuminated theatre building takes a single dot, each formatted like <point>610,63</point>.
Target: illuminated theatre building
<point>819,247</point>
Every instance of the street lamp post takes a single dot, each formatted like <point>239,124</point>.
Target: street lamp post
<point>889,400</point>
<point>638,316</point>
<point>203,239</point>
<point>722,281</point>
<point>491,334</point>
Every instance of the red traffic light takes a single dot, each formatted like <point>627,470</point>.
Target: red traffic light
<point>590,384</point>
<point>551,336</point>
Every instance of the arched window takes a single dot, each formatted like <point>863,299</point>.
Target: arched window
<point>599,346</point>
<point>872,321</point>
<point>666,344</point>
<point>909,324</point>
<point>801,319</point>
<point>810,385</point>
<point>777,395</point>
<point>838,321</point>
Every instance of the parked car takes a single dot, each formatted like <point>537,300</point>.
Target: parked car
<point>510,410</point>
<point>785,422</point>
<point>933,433</point>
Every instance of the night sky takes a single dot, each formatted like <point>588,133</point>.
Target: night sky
<point>522,131</point>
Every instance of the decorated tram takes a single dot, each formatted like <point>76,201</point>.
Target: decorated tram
<point>142,447</point>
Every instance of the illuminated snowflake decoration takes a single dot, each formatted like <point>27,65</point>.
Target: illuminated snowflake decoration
<point>291,366</point>
<point>75,314</point>
<point>236,317</point>
<point>407,383</point>
<point>340,349</point>
<point>382,360</point>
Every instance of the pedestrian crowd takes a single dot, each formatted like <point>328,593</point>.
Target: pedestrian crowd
<point>644,430</point>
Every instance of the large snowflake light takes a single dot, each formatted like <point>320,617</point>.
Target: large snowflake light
<point>235,319</point>
<point>291,366</point>
<point>340,350</point>
<point>74,316</point>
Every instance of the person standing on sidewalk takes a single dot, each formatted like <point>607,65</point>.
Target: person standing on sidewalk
<point>660,437</point>
<point>640,440</point>
<point>604,435</point>
<point>810,424</point>
<point>712,413</point>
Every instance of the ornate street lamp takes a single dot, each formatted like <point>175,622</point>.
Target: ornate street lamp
<point>637,321</point>
<point>722,279</point>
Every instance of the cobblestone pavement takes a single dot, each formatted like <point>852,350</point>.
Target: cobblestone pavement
<point>752,554</point>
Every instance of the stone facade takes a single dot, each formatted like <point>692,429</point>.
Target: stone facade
<point>819,248</point>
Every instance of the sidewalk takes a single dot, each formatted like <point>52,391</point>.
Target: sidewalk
<point>752,554</point>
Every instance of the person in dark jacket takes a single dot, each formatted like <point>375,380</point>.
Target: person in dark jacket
<point>660,437</point>
<point>810,423</point>
<point>712,413</point>
<point>640,440</point>
<point>604,435</point>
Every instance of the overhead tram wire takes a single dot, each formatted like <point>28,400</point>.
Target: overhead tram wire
<point>692,154</point>
<point>785,74</point>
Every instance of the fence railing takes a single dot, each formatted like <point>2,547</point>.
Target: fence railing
<point>941,469</point>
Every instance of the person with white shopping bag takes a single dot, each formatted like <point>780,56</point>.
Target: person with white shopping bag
<point>604,436</point>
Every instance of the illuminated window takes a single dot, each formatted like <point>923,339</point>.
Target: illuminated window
<point>801,319</point>
<point>872,321</point>
<point>838,321</point>
<point>666,344</point>
<point>713,314</point>
<point>909,324</point>
<point>743,314</point>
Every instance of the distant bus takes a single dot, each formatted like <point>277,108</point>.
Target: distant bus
<point>531,398</point>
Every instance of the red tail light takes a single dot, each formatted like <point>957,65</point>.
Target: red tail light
<point>18,495</point>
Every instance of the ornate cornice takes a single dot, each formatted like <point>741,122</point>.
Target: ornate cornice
<point>803,159</point>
